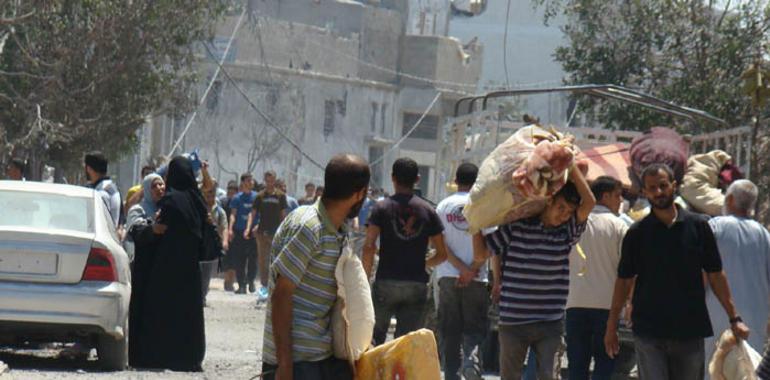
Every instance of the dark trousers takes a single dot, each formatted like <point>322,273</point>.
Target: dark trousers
<point>668,359</point>
<point>244,259</point>
<point>208,270</point>
<point>585,340</point>
<point>462,318</point>
<point>544,338</point>
<point>327,369</point>
<point>403,299</point>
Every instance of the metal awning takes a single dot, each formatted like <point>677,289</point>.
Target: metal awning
<point>606,91</point>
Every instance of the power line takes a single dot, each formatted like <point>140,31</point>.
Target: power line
<point>505,44</point>
<point>400,73</point>
<point>211,83</point>
<point>406,135</point>
<point>267,119</point>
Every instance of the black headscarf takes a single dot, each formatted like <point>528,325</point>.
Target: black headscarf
<point>184,193</point>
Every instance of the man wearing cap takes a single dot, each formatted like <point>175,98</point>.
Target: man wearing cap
<point>96,173</point>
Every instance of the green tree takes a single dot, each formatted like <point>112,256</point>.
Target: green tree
<point>77,75</point>
<point>690,52</point>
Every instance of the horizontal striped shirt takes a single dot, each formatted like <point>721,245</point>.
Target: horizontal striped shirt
<point>535,269</point>
<point>305,250</point>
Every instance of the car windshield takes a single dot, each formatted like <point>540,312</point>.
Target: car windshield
<point>43,210</point>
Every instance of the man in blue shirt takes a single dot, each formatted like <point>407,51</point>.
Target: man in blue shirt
<point>744,246</point>
<point>243,248</point>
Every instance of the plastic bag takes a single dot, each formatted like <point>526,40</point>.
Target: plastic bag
<point>733,359</point>
<point>518,176</point>
<point>353,313</point>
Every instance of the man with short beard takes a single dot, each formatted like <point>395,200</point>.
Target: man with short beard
<point>663,259</point>
<point>302,289</point>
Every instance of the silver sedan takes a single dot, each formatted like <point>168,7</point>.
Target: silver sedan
<point>64,276</point>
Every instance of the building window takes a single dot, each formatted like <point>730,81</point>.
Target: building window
<point>428,128</point>
<point>382,118</point>
<point>375,153</point>
<point>329,111</point>
<point>373,121</point>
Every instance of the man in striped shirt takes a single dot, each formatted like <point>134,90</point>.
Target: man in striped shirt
<point>534,256</point>
<point>302,285</point>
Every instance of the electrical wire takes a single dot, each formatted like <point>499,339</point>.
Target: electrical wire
<point>505,45</point>
<point>211,83</point>
<point>261,113</point>
<point>406,135</point>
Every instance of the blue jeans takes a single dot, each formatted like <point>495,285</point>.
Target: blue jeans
<point>585,340</point>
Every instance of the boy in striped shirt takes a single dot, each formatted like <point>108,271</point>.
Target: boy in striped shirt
<point>534,280</point>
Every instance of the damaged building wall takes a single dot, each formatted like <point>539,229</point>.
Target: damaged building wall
<point>321,104</point>
<point>334,77</point>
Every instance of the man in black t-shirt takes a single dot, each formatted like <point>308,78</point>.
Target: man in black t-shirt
<point>663,259</point>
<point>267,213</point>
<point>405,224</point>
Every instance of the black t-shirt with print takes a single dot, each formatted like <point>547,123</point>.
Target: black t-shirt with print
<point>269,207</point>
<point>406,223</point>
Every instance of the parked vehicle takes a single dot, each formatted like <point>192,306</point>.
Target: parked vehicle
<point>64,276</point>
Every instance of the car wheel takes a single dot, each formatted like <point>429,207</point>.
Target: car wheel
<point>112,353</point>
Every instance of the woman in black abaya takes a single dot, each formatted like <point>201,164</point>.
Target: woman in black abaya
<point>172,335</point>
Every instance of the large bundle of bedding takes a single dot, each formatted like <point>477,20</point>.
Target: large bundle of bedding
<point>518,176</point>
<point>700,187</point>
<point>660,145</point>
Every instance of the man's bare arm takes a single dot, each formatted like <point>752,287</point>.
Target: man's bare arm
<point>619,296</point>
<point>249,221</point>
<point>441,251</point>
<point>370,248</point>
<point>281,304</point>
<point>480,251</point>
<point>230,226</point>
<point>718,283</point>
<point>456,262</point>
<point>586,195</point>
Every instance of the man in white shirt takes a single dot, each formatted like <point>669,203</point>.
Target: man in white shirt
<point>96,173</point>
<point>744,246</point>
<point>463,296</point>
<point>593,264</point>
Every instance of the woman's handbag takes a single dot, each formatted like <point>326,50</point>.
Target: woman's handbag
<point>212,243</point>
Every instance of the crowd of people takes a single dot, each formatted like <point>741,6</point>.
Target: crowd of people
<point>566,279</point>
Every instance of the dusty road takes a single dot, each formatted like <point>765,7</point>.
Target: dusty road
<point>234,344</point>
<point>233,336</point>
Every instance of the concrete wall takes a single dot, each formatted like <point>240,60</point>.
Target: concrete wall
<point>327,75</point>
<point>288,45</point>
<point>429,17</point>
<point>377,29</point>
<point>531,46</point>
<point>443,60</point>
